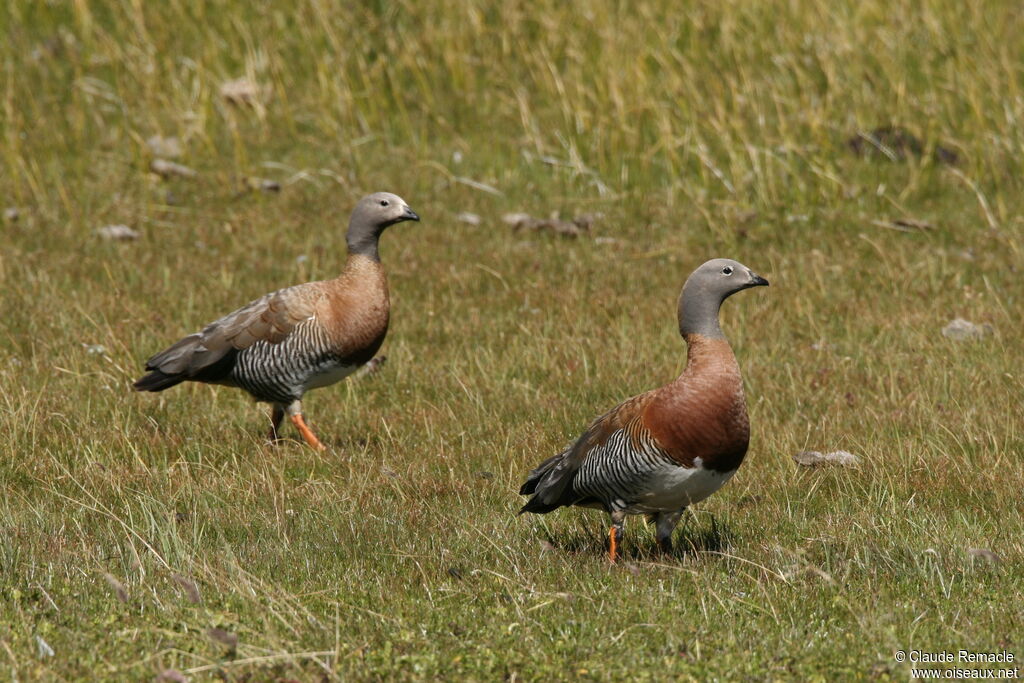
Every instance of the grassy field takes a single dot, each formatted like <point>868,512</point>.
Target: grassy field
<point>143,533</point>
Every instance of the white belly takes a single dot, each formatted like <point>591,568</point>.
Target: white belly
<point>675,487</point>
<point>329,375</point>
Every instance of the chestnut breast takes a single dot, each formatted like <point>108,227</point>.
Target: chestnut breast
<point>355,310</point>
<point>703,414</point>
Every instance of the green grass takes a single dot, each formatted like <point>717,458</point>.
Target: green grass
<point>702,130</point>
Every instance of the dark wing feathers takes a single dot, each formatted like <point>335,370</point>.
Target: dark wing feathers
<point>174,359</point>
<point>550,483</point>
<point>271,318</point>
<point>535,475</point>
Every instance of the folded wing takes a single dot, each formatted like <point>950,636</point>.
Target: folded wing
<point>209,355</point>
<point>552,483</point>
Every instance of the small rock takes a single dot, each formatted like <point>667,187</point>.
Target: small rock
<point>120,233</point>
<point>166,169</point>
<point>11,214</point>
<point>119,590</point>
<point>170,676</point>
<point>189,586</point>
<point>516,218</point>
<point>984,554</point>
<point>577,226</point>
<point>95,349</point>
<point>814,458</point>
<point>242,91</point>
<point>456,157</point>
<point>964,330</point>
<point>897,144</point>
<point>254,184</point>
<point>466,217</point>
<point>226,638</point>
<point>585,221</point>
<point>44,648</point>
<point>164,147</point>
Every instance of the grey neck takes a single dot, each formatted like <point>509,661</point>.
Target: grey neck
<point>363,241</point>
<point>698,312</point>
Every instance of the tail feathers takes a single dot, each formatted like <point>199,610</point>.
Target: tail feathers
<point>535,506</point>
<point>187,360</point>
<point>538,485</point>
<point>178,358</point>
<point>157,381</point>
<point>534,478</point>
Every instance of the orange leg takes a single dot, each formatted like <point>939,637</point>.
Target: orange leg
<point>615,535</point>
<point>307,434</point>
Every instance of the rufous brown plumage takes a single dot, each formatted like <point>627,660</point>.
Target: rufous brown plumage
<point>295,339</point>
<point>668,448</point>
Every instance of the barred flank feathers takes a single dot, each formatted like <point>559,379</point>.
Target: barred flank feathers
<point>620,468</point>
<point>278,372</point>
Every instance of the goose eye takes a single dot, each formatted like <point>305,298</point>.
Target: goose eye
<point>383,202</point>
<point>727,270</point>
